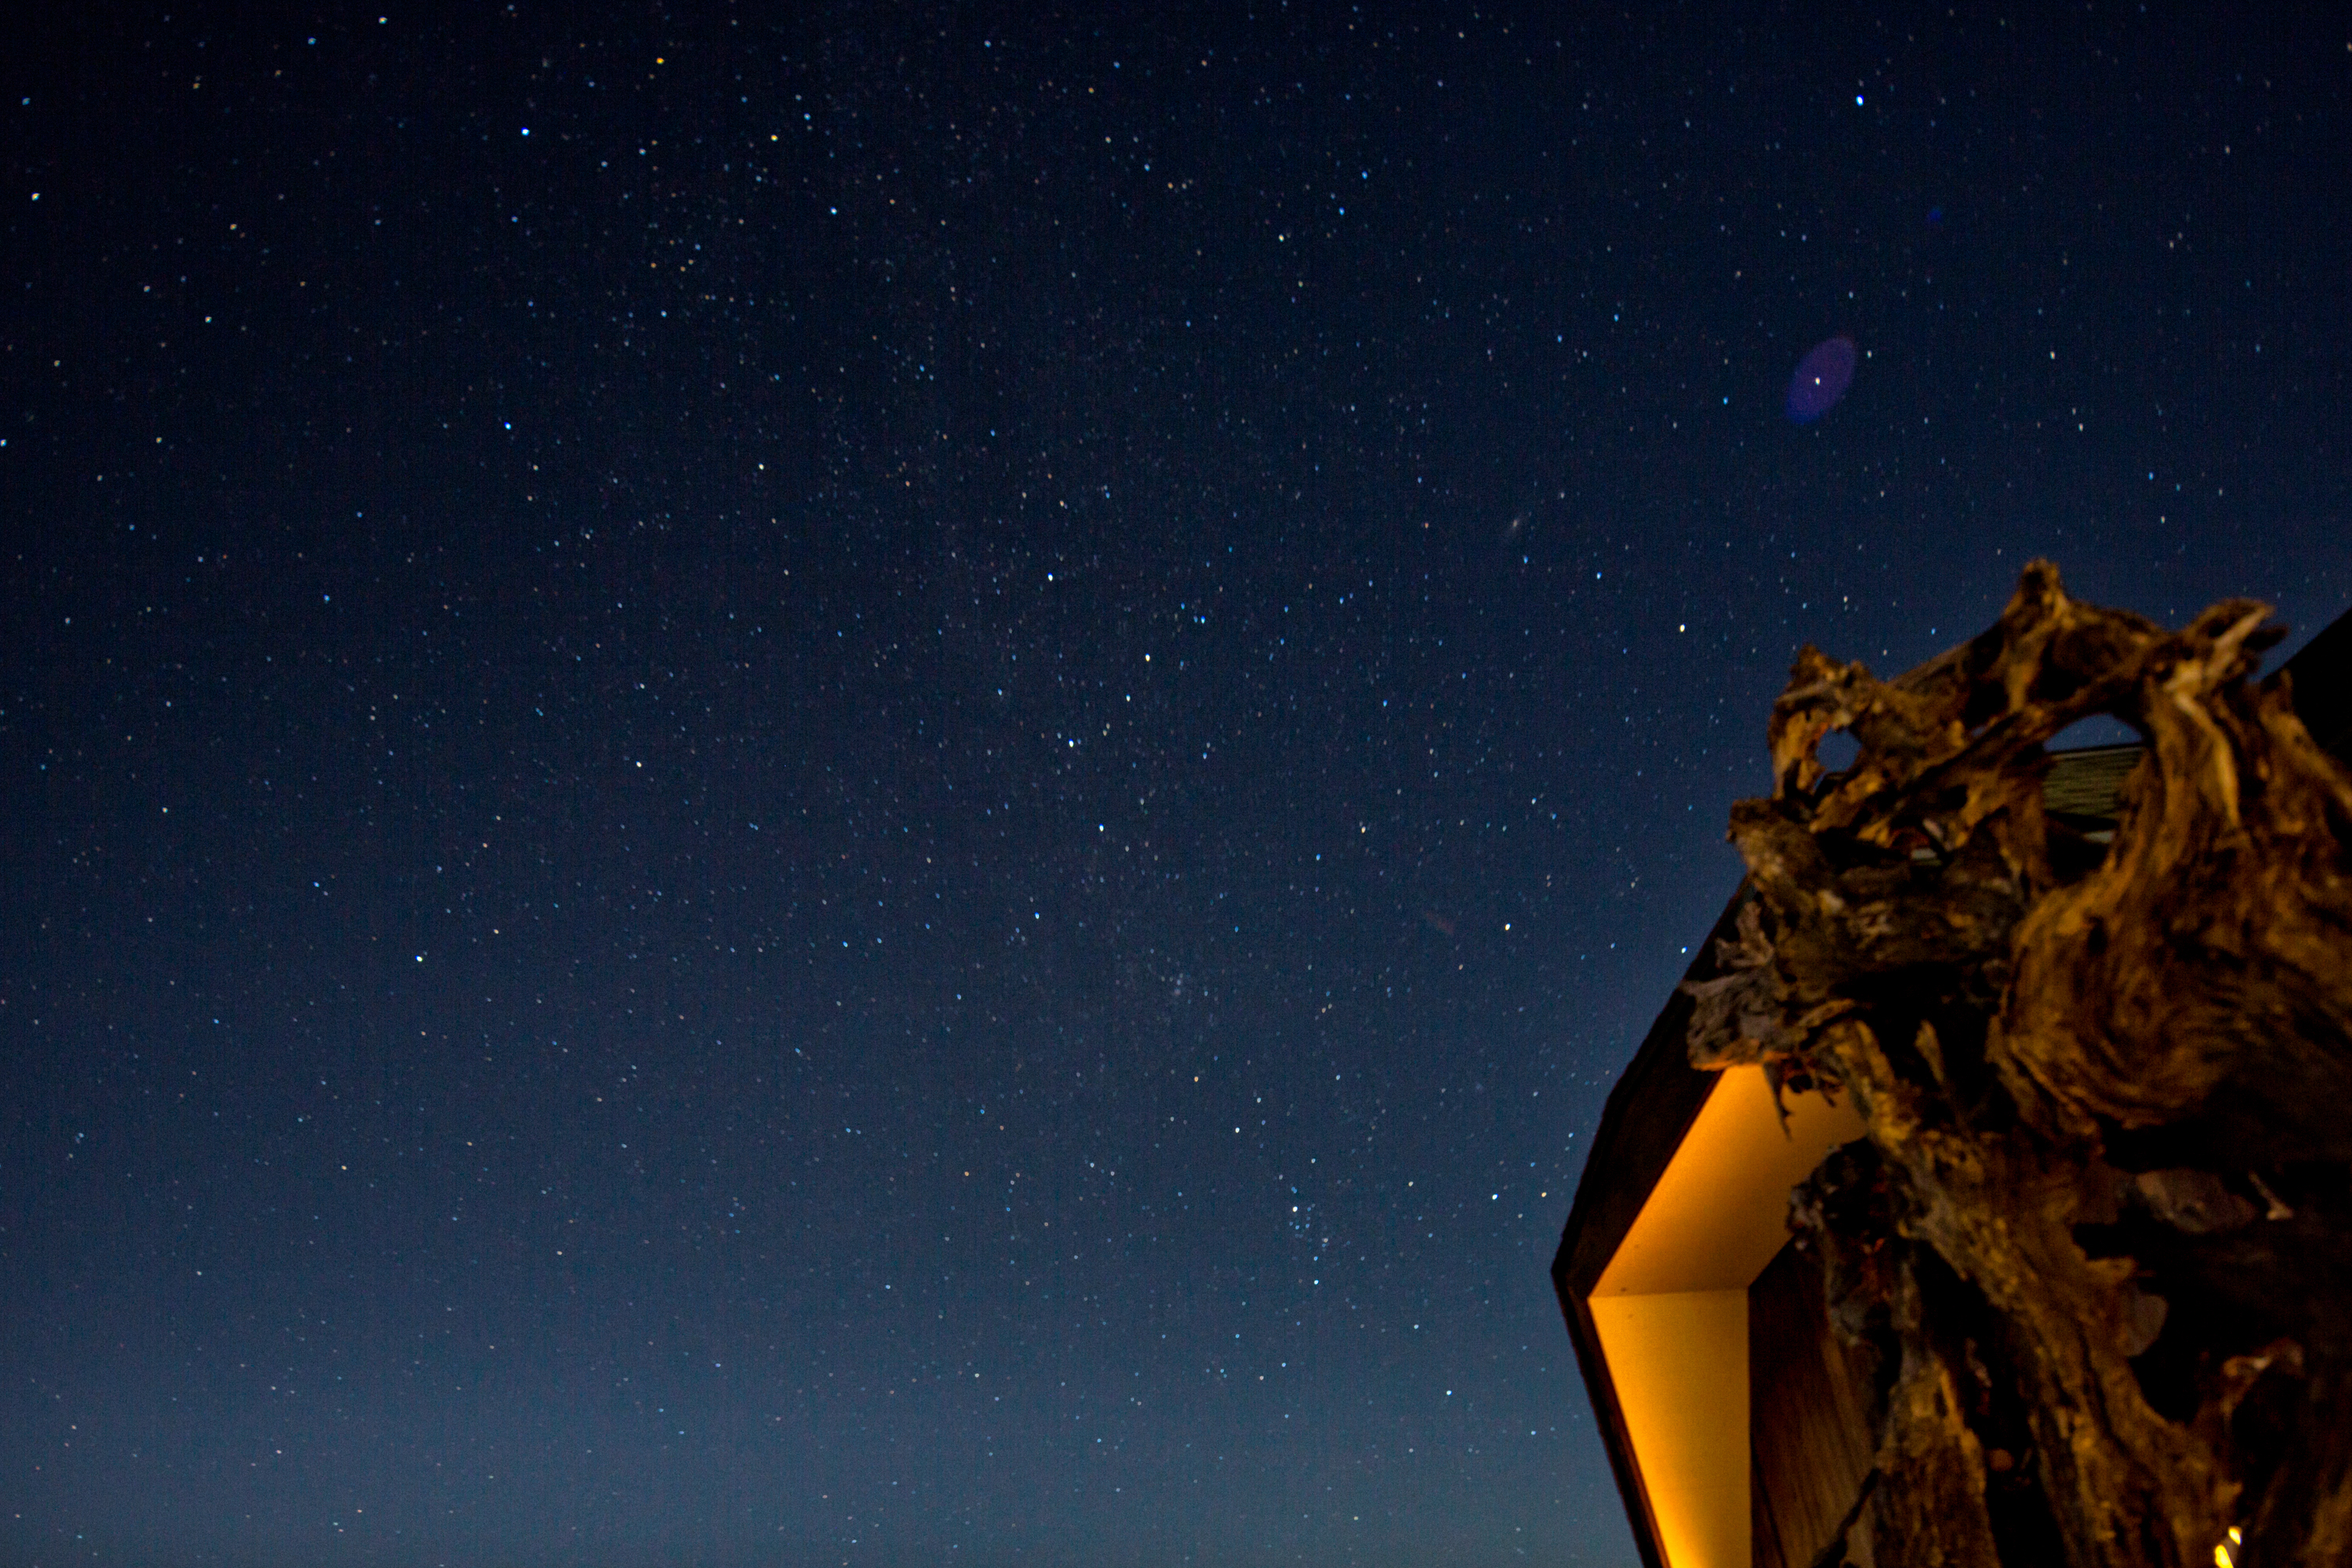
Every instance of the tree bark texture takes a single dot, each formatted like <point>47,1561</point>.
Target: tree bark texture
<point>2094,1244</point>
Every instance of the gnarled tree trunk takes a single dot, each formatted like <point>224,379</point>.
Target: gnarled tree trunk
<point>2096,1238</point>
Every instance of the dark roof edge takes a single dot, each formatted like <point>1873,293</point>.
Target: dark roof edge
<point>1628,1154</point>
<point>2320,678</point>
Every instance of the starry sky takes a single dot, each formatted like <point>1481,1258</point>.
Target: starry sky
<point>890,784</point>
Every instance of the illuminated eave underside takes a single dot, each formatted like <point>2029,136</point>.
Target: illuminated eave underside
<point>1670,1310</point>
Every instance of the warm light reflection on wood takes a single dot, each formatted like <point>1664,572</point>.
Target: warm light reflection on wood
<point>1671,1310</point>
<point>1680,1365</point>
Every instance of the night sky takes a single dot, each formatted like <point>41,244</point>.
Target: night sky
<point>892,788</point>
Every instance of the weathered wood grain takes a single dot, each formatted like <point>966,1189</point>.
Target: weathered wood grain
<point>2096,1244</point>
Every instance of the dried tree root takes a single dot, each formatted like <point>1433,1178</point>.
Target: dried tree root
<point>2098,1238</point>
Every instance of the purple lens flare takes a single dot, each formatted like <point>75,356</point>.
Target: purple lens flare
<point>1821,379</point>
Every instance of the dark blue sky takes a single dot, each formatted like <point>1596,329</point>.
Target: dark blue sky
<point>893,788</point>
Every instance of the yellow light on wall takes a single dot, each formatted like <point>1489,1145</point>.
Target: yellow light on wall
<point>1670,1309</point>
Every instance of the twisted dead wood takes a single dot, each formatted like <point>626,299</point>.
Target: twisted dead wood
<point>2095,1243</point>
